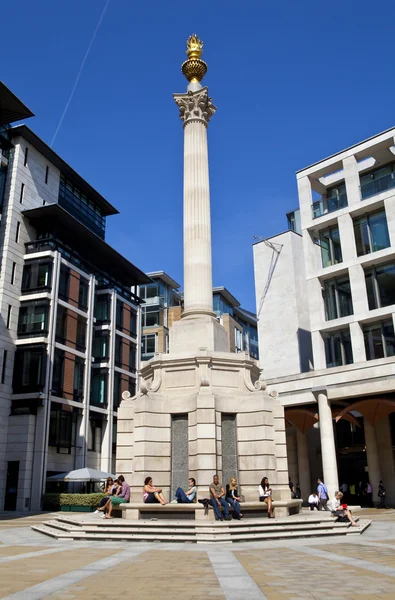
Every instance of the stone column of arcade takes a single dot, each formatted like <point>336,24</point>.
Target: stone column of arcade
<point>303,465</point>
<point>372,455</point>
<point>328,449</point>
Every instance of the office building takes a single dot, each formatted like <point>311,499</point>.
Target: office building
<point>69,329</point>
<point>326,308</point>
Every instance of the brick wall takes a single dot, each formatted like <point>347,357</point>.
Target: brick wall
<point>68,375</point>
<point>74,288</point>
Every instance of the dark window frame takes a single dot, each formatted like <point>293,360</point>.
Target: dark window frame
<point>359,222</point>
<point>344,338</point>
<point>369,339</point>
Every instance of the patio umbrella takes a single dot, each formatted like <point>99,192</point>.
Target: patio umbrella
<point>85,474</point>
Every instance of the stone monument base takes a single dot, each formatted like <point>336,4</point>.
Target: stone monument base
<point>198,414</point>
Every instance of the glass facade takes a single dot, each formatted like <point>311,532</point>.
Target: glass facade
<point>221,306</point>
<point>37,276</point>
<point>379,340</point>
<point>331,252</point>
<point>81,207</point>
<point>377,181</point>
<point>150,316</point>
<point>337,298</point>
<point>148,343</point>
<point>336,198</point>
<point>33,319</point>
<point>338,350</point>
<point>102,309</point>
<point>380,285</point>
<point>99,388</point>
<point>100,346</point>
<point>371,233</point>
<point>29,369</point>
<point>83,294</point>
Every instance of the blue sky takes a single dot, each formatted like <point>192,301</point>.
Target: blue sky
<point>293,81</point>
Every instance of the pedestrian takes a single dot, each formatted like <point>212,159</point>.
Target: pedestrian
<point>187,497</point>
<point>298,492</point>
<point>341,511</point>
<point>369,493</point>
<point>217,500</point>
<point>313,501</point>
<point>232,496</point>
<point>323,495</point>
<point>122,496</point>
<point>265,495</point>
<point>382,493</point>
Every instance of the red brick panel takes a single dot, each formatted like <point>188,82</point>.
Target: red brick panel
<point>124,383</point>
<point>125,354</point>
<point>74,287</point>
<point>126,319</point>
<point>68,376</point>
<point>71,328</point>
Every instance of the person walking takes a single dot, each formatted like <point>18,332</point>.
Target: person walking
<point>323,495</point>
<point>217,500</point>
<point>382,493</point>
<point>313,501</point>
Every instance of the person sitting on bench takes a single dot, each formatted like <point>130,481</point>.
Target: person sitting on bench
<point>217,500</point>
<point>151,494</point>
<point>182,497</point>
<point>232,496</point>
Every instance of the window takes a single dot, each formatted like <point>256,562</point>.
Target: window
<point>13,272</point>
<point>61,321</point>
<point>338,349</point>
<point>331,252</point>
<point>132,386</point>
<point>150,291</point>
<point>26,156</point>
<point>64,281</point>
<point>220,306</point>
<point>148,343</point>
<point>4,366</point>
<point>83,294</point>
<point>37,276</point>
<point>58,373</point>
<point>62,428</point>
<point>100,346</point>
<point>9,313</point>
<point>33,319</point>
<point>238,340</point>
<point>377,181</point>
<point>150,316</point>
<point>336,198</point>
<point>337,298</point>
<point>80,206</point>
<point>379,340</point>
<point>371,233</point>
<point>81,334</point>
<point>132,358</point>
<point>119,315</point>
<point>29,369</point>
<point>118,351</point>
<point>102,309</point>
<point>46,173</point>
<point>78,388</point>
<point>22,193</point>
<point>18,229</point>
<point>380,285</point>
<point>99,388</point>
<point>133,323</point>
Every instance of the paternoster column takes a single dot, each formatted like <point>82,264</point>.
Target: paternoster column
<point>196,110</point>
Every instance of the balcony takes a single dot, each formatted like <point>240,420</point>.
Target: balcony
<point>376,186</point>
<point>329,205</point>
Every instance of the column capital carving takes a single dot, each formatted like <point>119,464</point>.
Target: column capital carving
<point>195,106</point>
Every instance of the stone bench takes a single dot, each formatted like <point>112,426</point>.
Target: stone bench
<point>196,511</point>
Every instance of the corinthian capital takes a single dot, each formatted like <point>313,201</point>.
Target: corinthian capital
<point>195,106</point>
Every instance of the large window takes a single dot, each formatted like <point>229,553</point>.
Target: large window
<point>380,285</point>
<point>151,316</point>
<point>100,347</point>
<point>29,369</point>
<point>377,181</point>
<point>379,340</point>
<point>371,233</point>
<point>221,306</point>
<point>132,358</point>
<point>337,298</point>
<point>81,207</point>
<point>331,252</point>
<point>62,428</point>
<point>78,387</point>
<point>33,319</point>
<point>150,292</point>
<point>64,283</point>
<point>80,342</point>
<point>99,388</point>
<point>37,276</point>
<point>118,358</point>
<point>58,373</point>
<point>338,350</point>
<point>336,198</point>
<point>133,322</point>
<point>102,308</point>
<point>148,346</point>
<point>83,293</point>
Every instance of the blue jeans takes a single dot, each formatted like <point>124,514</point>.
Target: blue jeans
<point>217,509</point>
<point>235,505</point>
<point>181,496</point>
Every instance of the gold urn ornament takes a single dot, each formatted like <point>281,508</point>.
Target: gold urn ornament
<point>194,68</point>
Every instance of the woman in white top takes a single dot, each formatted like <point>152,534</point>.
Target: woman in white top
<point>338,510</point>
<point>265,495</point>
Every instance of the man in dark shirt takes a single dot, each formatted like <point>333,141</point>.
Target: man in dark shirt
<point>217,499</point>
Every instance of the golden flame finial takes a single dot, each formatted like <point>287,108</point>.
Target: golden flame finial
<point>194,68</point>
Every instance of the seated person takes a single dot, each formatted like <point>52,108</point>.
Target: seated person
<point>122,496</point>
<point>340,510</point>
<point>217,500</point>
<point>232,496</point>
<point>313,501</point>
<point>182,497</point>
<point>151,494</point>
<point>265,495</point>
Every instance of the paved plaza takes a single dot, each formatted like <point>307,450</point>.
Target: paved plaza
<point>352,568</point>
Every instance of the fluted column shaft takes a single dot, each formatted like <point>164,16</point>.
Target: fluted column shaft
<point>198,293</point>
